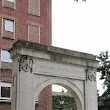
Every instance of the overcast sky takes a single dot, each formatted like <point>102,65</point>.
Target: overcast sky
<point>81,26</point>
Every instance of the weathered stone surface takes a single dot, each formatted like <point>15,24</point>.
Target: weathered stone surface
<point>54,53</point>
<point>51,65</point>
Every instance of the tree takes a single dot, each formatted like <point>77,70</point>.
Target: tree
<point>104,69</point>
<point>63,102</point>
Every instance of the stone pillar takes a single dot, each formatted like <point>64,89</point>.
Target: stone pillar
<point>22,86</point>
<point>90,89</point>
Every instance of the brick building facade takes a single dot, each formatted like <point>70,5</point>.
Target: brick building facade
<point>28,20</point>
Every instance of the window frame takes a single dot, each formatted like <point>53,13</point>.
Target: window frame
<point>5,84</point>
<point>33,24</point>
<point>10,60</point>
<point>30,11</point>
<point>11,1</point>
<point>3,27</point>
<point>5,2</point>
<point>6,21</point>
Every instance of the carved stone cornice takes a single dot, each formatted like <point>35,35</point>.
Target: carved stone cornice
<point>90,73</point>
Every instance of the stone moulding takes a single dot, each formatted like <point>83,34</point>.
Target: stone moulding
<point>90,73</point>
<point>26,63</point>
<point>54,53</point>
<point>53,50</point>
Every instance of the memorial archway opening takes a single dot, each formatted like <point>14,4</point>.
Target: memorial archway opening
<point>72,91</point>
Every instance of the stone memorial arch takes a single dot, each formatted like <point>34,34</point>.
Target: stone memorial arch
<point>36,66</point>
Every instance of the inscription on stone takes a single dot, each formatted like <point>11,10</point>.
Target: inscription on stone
<point>54,69</point>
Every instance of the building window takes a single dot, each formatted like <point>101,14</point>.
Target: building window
<point>8,28</point>
<point>5,56</point>
<point>5,90</point>
<point>11,4</point>
<point>10,0</point>
<point>34,7</point>
<point>9,25</point>
<point>34,33</point>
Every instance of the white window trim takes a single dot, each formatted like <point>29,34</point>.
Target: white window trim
<point>35,26</point>
<point>4,60</point>
<point>11,1</point>
<point>2,29</point>
<point>14,29</point>
<point>5,84</point>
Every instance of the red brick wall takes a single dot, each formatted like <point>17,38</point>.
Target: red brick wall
<point>45,101</point>
<point>5,106</point>
<point>5,75</point>
<point>21,16</point>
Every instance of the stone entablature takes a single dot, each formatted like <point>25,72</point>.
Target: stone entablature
<point>54,53</point>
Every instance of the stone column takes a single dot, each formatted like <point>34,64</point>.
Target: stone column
<point>90,89</point>
<point>22,86</point>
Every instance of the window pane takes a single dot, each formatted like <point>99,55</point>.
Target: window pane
<point>9,25</point>
<point>6,56</point>
<point>10,0</point>
<point>5,92</point>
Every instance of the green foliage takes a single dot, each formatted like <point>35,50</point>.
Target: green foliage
<point>68,103</point>
<point>104,69</point>
<point>104,101</point>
